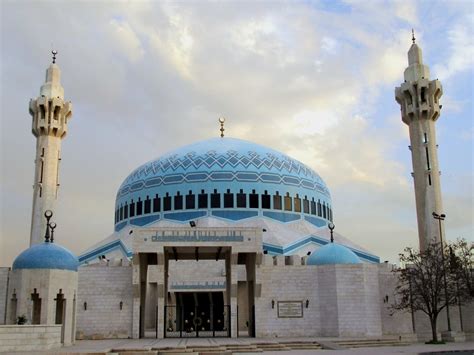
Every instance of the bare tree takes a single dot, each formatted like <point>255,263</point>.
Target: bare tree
<point>432,279</point>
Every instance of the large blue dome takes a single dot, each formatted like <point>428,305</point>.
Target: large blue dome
<point>333,253</point>
<point>46,256</point>
<point>223,177</point>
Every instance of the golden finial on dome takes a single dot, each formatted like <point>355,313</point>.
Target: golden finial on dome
<point>221,121</point>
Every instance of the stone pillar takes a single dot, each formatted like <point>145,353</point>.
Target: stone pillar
<point>136,272</point>
<point>50,116</point>
<point>233,272</point>
<point>419,101</point>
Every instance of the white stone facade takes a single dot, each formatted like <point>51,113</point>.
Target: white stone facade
<point>4,280</point>
<point>29,337</point>
<point>101,290</point>
<point>48,285</point>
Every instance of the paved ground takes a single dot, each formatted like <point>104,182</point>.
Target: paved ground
<point>105,346</point>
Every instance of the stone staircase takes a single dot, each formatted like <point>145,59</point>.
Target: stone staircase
<point>369,343</point>
<point>232,348</point>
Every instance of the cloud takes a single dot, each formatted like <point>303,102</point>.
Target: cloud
<point>460,43</point>
<point>126,40</point>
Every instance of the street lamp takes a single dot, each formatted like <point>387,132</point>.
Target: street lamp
<point>441,217</point>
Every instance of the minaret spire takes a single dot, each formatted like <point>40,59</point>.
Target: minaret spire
<point>419,101</point>
<point>50,116</point>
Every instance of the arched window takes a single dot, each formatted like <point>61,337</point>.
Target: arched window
<point>320,213</point>
<point>190,201</point>
<point>288,202</point>
<point>266,200</point>
<point>202,200</point>
<point>215,199</point>
<point>147,205</point>
<point>132,209</point>
<point>241,199</point>
<point>121,212</point>
<point>297,203</point>
<point>139,207</point>
<point>324,209</point>
<point>156,204</point>
<point>167,202</point>
<point>178,201</point>
<point>125,211</point>
<point>313,206</point>
<point>228,199</point>
<point>253,200</point>
<point>277,201</point>
<point>306,204</point>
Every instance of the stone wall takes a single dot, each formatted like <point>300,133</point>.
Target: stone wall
<point>4,274</point>
<point>343,300</point>
<point>103,287</point>
<point>29,337</point>
<point>286,283</point>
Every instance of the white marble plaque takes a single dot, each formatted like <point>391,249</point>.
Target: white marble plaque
<point>290,309</point>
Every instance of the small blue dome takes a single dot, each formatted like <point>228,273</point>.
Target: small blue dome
<point>333,253</point>
<point>46,256</point>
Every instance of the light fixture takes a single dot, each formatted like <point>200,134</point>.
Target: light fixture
<point>273,304</point>
<point>85,306</point>
<point>121,305</point>
<point>192,224</point>
<point>265,251</point>
<point>308,253</point>
<point>307,303</point>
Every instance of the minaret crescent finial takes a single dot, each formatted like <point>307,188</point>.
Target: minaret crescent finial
<point>54,53</point>
<point>413,36</point>
<point>221,121</point>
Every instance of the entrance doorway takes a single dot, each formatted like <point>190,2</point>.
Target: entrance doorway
<point>197,314</point>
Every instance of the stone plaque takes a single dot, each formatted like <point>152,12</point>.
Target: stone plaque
<point>290,309</point>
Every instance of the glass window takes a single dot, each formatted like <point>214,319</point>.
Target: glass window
<point>266,200</point>
<point>253,200</point>
<point>190,201</point>
<point>320,213</point>
<point>306,204</point>
<point>277,201</point>
<point>297,203</point>
<point>147,205</point>
<point>215,199</point>
<point>156,204</point>
<point>313,206</point>
<point>125,211</point>
<point>121,212</point>
<point>288,202</point>
<point>241,199</point>
<point>132,209</point>
<point>167,202</point>
<point>324,210</point>
<point>139,207</point>
<point>178,201</point>
<point>228,199</point>
<point>202,200</point>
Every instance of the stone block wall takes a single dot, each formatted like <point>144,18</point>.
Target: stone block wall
<point>4,274</point>
<point>103,287</point>
<point>29,337</point>
<point>287,283</point>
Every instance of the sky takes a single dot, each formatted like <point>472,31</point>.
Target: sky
<point>313,79</point>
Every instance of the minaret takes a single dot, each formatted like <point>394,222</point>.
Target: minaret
<point>49,125</point>
<point>420,108</point>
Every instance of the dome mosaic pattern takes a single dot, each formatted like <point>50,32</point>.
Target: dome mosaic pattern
<point>224,177</point>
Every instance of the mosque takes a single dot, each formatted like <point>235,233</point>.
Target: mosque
<point>220,238</point>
